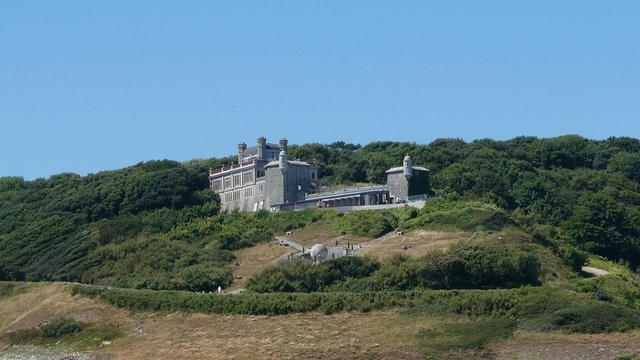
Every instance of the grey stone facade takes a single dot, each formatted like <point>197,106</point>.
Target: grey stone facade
<point>407,180</point>
<point>265,179</point>
<point>262,179</point>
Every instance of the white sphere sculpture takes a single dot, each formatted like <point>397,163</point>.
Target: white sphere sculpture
<point>318,252</point>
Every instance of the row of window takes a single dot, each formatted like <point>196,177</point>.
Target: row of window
<point>231,196</point>
<point>235,180</point>
<point>236,194</point>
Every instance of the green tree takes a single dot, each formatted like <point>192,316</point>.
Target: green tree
<point>601,226</point>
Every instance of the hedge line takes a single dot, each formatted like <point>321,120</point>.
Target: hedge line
<point>249,303</point>
<point>531,308</point>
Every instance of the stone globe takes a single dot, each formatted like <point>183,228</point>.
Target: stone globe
<point>319,252</point>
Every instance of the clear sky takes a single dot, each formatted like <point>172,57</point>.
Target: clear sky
<point>87,86</point>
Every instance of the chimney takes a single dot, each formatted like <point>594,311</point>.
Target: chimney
<point>241,148</point>
<point>262,147</point>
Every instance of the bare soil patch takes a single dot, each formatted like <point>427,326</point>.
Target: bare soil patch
<point>417,243</point>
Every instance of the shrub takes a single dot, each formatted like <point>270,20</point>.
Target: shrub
<point>371,223</point>
<point>250,303</point>
<point>572,256</point>
<point>596,317</point>
<point>302,276</point>
<point>479,266</point>
<point>60,327</point>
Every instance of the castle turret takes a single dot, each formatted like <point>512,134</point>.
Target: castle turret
<point>282,162</point>
<point>241,148</point>
<point>283,144</point>
<point>262,147</point>
<point>407,167</point>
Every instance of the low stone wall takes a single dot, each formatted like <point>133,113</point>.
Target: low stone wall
<point>346,209</point>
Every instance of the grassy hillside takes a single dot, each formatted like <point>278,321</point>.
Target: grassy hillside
<point>521,218</point>
<point>155,225</point>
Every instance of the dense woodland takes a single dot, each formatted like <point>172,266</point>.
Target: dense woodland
<point>156,225</point>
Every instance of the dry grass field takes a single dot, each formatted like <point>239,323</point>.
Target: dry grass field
<point>298,336</point>
<point>255,259</point>
<point>416,243</point>
<point>375,335</point>
<point>44,301</point>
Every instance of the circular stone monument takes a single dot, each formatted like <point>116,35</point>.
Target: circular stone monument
<point>318,252</point>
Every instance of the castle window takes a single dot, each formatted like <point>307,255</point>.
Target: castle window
<point>247,177</point>
<point>227,182</point>
<point>236,180</point>
<point>216,184</point>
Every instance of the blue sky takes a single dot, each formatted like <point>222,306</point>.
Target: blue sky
<point>87,86</point>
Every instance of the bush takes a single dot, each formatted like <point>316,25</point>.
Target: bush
<point>60,327</point>
<point>302,276</point>
<point>249,303</point>
<point>479,266</point>
<point>452,215</point>
<point>470,303</point>
<point>370,223</point>
<point>572,256</point>
<point>596,317</point>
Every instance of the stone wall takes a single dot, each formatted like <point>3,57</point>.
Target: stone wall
<point>297,182</point>
<point>397,185</point>
<point>274,187</point>
<point>287,188</point>
<point>400,187</point>
<point>246,198</point>
<point>346,209</point>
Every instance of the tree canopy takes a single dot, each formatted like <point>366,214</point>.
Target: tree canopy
<point>157,225</point>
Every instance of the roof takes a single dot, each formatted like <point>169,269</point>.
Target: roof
<point>290,162</point>
<point>401,169</point>
<point>247,165</point>
<point>254,149</point>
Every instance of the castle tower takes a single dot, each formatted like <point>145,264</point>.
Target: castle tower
<point>283,144</point>
<point>241,148</point>
<point>262,147</point>
<point>407,167</point>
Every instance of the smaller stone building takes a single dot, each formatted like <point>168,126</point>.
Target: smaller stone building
<point>407,180</point>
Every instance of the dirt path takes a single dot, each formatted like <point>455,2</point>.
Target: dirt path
<point>594,271</point>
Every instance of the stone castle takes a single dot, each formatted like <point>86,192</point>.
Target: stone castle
<point>264,178</point>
